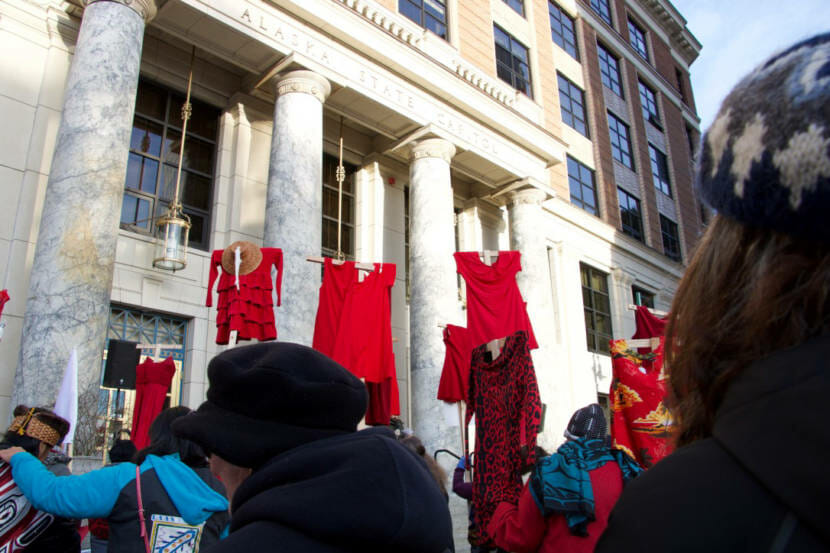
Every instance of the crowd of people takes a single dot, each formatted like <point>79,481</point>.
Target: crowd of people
<point>273,459</point>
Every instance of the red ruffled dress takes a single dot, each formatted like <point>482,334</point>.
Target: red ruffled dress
<point>249,310</point>
<point>495,307</point>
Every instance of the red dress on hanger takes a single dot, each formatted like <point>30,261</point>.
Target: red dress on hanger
<point>249,310</point>
<point>495,307</point>
<point>354,327</point>
<point>640,423</point>
<point>455,376</point>
<point>152,381</point>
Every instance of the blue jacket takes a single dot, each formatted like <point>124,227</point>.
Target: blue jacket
<point>169,489</point>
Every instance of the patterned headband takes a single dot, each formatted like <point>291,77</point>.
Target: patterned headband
<point>29,425</point>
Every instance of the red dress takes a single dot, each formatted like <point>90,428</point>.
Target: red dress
<point>152,381</point>
<point>504,397</point>
<point>495,307</point>
<point>522,528</point>
<point>4,297</point>
<point>249,310</point>
<point>455,376</point>
<point>640,423</point>
<point>354,327</point>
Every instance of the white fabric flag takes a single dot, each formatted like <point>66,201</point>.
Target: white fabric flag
<point>66,405</point>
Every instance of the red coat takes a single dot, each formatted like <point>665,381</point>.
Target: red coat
<point>522,528</point>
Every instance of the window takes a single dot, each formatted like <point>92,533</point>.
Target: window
<point>620,144</point>
<point>648,101</point>
<point>562,29</point>
<point>690,137</point>
<point>671,238</point>
<point>603,10</point>
<point>154,160</point>
<point>572,104</point>
<point>429,14</point>
<point>637,39</point>
<point>517,5</point>
<point>642,297</point>
<point>512,61</point>
<point>609,69</point>
<point>583,187</point>
<point>115,407</point>
<point>660,170</point>
<point>597,306</point>
<point>630,214</point>
<point>329,245</point>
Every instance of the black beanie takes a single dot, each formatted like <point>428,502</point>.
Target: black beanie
<point>268,398</point>
<point>765,160</point>
<point>588,422</point>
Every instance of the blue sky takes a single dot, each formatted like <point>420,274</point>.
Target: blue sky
<point>737,35</point>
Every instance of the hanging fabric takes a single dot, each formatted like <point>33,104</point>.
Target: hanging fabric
<point>4,297</point>
<point>455,376</point>
<point>495,307</point>
<point>648,324</point>
<point>504,397</point>
<point>354,327</point>
<point>640,423</point>
<point>152,382</point>
<point>245,288</point>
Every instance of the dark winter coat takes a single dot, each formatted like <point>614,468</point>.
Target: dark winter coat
<point>358,493</point>
<point>760,483</point>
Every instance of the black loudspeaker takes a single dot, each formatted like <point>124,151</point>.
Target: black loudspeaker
<point>122,359</point>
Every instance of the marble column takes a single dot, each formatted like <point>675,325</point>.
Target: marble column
<point>68,302</point>
<point>527,235</point>
<point>433,289</point>
<point>294,205</point>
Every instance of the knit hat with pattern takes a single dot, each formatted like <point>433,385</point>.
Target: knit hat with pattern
<point>765,161</point>
<point>588,422</point>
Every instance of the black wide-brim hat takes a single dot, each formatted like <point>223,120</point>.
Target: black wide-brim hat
<point>265,399</point>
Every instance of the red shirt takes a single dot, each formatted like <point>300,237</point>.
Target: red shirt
<point>495,307</point>
<point>522,528</point>
<point>455,376</point>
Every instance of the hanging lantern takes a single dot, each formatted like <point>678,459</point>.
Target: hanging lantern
<point>173,234</point>
<point>173,228</point>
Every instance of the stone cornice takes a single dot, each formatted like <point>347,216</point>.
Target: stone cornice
<point>147,9</point>
<point>433,147</point>
<point>306,82</point>
<point>675,26</point>
<point>409,32</point>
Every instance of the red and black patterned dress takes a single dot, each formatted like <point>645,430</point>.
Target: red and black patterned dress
<point>504,397</point>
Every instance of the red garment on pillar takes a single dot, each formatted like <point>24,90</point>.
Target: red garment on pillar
<point>640,423</point>
<point>354,327</point>
<point>495,307</point>
<point>249,310</point>
<point>4,297</point>
<point>505,399</point>
<point>455,376</point>
<point>152,381</point>
<point>649,325</point>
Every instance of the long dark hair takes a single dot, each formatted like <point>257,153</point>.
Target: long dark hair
<point>747,293</point>
<point>164,442</point>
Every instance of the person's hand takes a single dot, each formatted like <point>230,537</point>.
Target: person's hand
<point>7,454</point>
<point>462,463</point>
